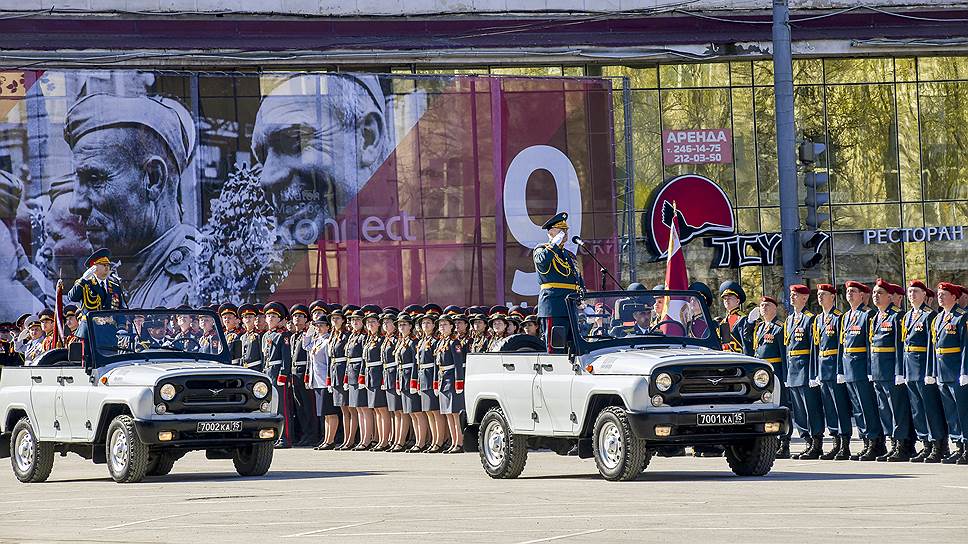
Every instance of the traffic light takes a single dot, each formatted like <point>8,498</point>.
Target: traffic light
<point>812,236</point>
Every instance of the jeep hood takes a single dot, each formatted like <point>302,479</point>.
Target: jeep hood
<point>642,361</point>
<point>148,374</point>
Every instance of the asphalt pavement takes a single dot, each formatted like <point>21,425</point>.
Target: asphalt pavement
<point>363,497</point>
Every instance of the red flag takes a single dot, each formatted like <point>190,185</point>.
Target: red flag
<point>676,278</point>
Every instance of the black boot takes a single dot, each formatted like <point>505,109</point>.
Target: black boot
<point>939,453</point>
<point>783,452</point>
<point>956,455</point>
<point>964,454</point>
<point>905,450</point>
<point>806,451</point>
<point>895,444</point>
<point>925,452</point>
<point>877,449</point>
<point>863,452</point>
<point>815,450</point>
<point>830,455</point>
<point>844,453</point>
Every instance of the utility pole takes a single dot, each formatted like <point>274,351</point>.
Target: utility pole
<point>786,146</point>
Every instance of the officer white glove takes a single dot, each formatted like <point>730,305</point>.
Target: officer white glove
<point>841,378</point>
<point>930,380</point>
<point>89,273</point>
<point>753,315</point>
<point>963,380</point>
<point>814,383</point>
<point>558,238</point>
<point>899,380</point>
<point>870,377</point>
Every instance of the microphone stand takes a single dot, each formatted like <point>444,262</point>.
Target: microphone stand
<point>604,271</point>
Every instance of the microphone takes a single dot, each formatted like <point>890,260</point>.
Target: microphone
<point>577,241</point>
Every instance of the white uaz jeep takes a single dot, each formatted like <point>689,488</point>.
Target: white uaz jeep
<point>623,385</point>
<point>137,399</point>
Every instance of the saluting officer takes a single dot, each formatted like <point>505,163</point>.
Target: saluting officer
<point>96,289</point>
<point>949,367</point>
<point>768,345</point>
<point>855,342</point>
<point>251,339</point>
<point>926,409</point>
<point>735,330</point>
<point>828,370</point>
<point>558,275</point>
<point>804,391</point>
<point>304,400</point>
<point>278,364</point>
<point>449,354</point>
<point>887,374</point>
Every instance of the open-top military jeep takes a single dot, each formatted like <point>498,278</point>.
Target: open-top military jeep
<point>622,384</point>
<point>138,398</point>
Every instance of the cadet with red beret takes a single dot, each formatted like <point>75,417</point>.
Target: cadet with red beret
<point>949,366</point>
<point>804,391</point>
<point>887,374</point>
<point>828,370</point>
<point>855,341</point>
<point>926,409</point>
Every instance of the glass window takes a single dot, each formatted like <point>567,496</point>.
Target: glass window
<point>535,71</point>
<point>698,109</point>
<point>855,260</point>
<point>866,216</point>
<point>740,73</point>
<point>710,74</point>
<point>944,131</point>
<point>765,124</point>
<point>646,145</point>
<point>863,70</point>
<point>744,147</point>
<point>946,213</point>
<point>946,262</point>
<point>640,77</point>
<point>912,215</point>
<point>909,147</point>
<point>942,68</point>
<point>905,69</point>
<point>915,266</point>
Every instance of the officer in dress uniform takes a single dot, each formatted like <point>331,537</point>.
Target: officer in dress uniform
<point>31,341</point>
<point>768,345</point>
<point>71,324</point>
<point>926,408</point>
<point>887,374</point>
<point>316,343</point>
<point>278,365</point>
<point>855,349</point>
<point>696,326</point>
<point>251,338</point>
<point>51,341</point>
<point>304,399</point>
<point>208,341</point>
<point>949,367</point>
<point>497,318</point>
<point>8,355</point>
<point>405,353</point>
<point>449,356</point>
<point>804,391</point>
<point>735,330</point>
<point>479,338</point>
<point>828,370</point>
<point>96,289</point>
<point>558,275</point>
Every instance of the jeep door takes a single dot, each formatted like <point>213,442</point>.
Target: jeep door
<point>516,386</point>
<point>72,403</point>
<point>552,394</point>
<point>43,399</point>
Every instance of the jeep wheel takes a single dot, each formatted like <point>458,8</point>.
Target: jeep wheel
<point>503,454</point>
<point>31,459</point>
<point>253,460</point>
<point>619,454</point>
<point>753,457</point>
<point>161,464</point>
<point>127,454</point>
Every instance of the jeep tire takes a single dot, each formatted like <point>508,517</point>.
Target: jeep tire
<point>619,454</point>
<point>253,460</point>
<point>161,464</point>
<point>31,459</point>
<point>127,456</point>
<point>503,454</point>
<point>753,457</point>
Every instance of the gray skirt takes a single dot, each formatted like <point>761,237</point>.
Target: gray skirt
<point>429,401</point>
<point>339,396</point>
<point>410,402</point>
<point>376,398</point>
<point>357,396</point>
<point>393,400</point>
<point>451,402</point>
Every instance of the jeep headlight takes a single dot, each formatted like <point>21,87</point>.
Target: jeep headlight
<point>260,390</point>
<point>761,378</point>
<point>663,382</point>
<point>167,392</point>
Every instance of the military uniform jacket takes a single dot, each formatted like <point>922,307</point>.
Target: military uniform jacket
<point>317,350</point>
<point>916,336</point>
<point>558,276</point>
<point>373,359</point>
<point>93,295</point>
<point>826,339</point>
<point>209,343</point>
<point>251,350</point>
<point>354,360</point>
<point>950,346</point>
<point>337,358</point>
<point>798,340</point>
<point>887,345</point>
<point>405,354</point>
<point>300,359</point>
<point>768,345</point>
<point>390,364</point>
<point>426,364</point>
<point>735,333</point>
<point>233,338</point>
<point>9,355</point>
<point>450,354</point>
<point>276,354</point>
<point>494,341</point>
<point>855,344</point>
<point>479,343</point>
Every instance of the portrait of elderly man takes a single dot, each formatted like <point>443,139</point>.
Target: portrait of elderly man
<point>129,155</point>
<point>319,139</point>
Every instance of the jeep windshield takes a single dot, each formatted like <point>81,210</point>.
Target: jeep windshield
<point>161,333</point>
<point>624,318</point>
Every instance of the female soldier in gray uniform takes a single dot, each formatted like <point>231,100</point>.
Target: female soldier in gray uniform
<point>390,370</point>
<point>449,355</point>
<point>406,355</point>
<point>427,380</point>
<point>339,337</point>
<point>316,343</point>
<point>376,395</point>
<point>356,376</point>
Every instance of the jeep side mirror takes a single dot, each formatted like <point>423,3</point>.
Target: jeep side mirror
<point>75,352</point>
<point>559,339</point>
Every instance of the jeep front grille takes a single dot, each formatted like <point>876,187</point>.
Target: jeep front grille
<point>213,394</point>
<point>726,383</point>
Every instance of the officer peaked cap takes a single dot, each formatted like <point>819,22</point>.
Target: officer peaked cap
<point>101,256</point>
<point>559,221</point>
<point>730,287</point>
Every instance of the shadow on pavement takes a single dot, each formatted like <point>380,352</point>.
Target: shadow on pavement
<point>278,475</point>
<point>684,476</point>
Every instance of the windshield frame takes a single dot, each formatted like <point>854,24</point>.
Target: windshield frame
<point>584,346</point>
<point>99,359</point>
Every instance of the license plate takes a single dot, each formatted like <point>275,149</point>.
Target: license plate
<point>721,419</point>
<point>219,426</point>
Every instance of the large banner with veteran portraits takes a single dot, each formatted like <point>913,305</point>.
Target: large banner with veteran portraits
<point>348,187</point>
